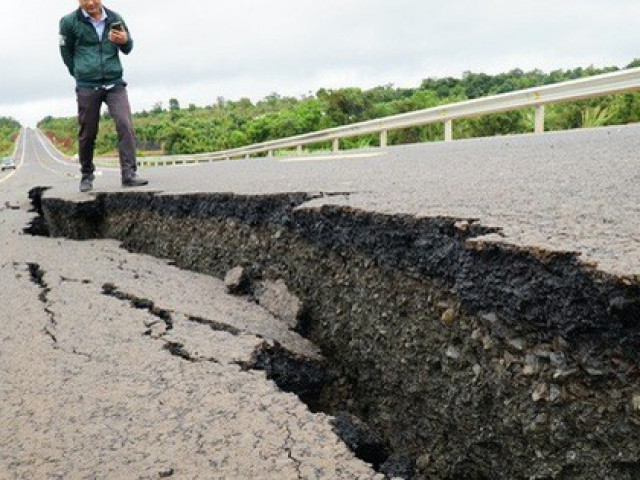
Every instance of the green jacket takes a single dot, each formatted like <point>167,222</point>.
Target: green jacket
<point>90,61</point>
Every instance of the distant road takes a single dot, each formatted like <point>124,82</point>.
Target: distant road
<point>577,190</point>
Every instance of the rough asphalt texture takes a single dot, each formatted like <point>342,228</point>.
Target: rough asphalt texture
<point>139,411</point>
<point>89,387</point>
<point>568,191</point>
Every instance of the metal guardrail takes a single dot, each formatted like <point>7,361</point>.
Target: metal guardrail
<point>536,97</point>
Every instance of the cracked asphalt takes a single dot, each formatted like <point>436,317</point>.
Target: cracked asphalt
<point>576,191</point>
<point>90,389</point>
<point>91,386</point>
<point>572,191</point>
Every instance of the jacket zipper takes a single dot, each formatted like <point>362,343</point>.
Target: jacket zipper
<point>100,42</point>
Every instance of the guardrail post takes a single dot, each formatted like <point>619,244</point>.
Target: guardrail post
<point>539,119</point>
<point>269,153</point>
<point>383,139</point>
<point>299,149</point>
<point>618,82</point>
<point>448,130</point>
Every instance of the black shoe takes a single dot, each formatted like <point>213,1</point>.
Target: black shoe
<point>86,184</point>
<point>134,181</point>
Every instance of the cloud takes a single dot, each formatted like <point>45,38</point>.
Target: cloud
<point>197,51</point>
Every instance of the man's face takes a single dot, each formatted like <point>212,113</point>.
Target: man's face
<point>92,7</point>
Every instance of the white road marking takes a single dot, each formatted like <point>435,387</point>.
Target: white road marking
<point>47,148</point>
<point>23,136</point>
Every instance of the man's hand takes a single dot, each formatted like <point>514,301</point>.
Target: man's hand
<point>119,37</point>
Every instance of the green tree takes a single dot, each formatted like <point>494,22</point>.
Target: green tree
<point>345,105</point>
<point>9,131</point>
<point>229,124</point>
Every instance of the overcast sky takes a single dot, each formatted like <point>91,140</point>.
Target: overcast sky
<point>197,51</point>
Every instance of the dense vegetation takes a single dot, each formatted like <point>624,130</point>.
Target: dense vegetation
<point>227,124</point>
<point>9,130</point>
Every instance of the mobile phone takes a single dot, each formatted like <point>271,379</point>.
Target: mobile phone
<point>117,26</point>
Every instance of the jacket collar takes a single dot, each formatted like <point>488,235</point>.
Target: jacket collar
<point>109,13</point>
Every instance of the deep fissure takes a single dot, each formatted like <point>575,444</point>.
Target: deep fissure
<point>469,359</point>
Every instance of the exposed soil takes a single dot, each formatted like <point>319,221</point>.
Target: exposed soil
<point>459,358</point>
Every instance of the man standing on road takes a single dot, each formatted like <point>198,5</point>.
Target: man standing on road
<point>91,39</point>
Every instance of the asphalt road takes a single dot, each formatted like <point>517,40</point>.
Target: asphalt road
<point>573,191</point>
<point>87,385</point>
<point>92,387</point>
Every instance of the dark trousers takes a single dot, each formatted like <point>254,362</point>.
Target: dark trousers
<point>89,103</point>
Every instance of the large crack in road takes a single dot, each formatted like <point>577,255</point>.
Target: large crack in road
<point>106,400</point>
<point>469,359</point>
